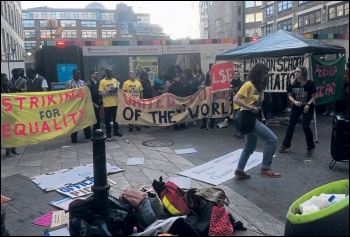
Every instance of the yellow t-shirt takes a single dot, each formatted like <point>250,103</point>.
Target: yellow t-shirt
<point>133,88</point>
<point>252,96</point>
<point>106,85</point>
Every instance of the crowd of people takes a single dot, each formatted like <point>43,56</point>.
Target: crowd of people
<point>246,99</point>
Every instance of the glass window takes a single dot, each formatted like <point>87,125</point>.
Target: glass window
<point>29,34</point>
<point>42,24</point>
<point>338,10</point>
<point>269,29</point>
<point>249,18</point>
<point>249,4</point>
<point>239,10</point>
<point>108,34</point>
<point>69,23</point>
<point>69,34</point>
<point>258,16</point>
<point>285,25</point>
<point>45,34</point>
<point>239,25</point>
<point>284,5</point>
<point>89,34</point>
<point>302,2</point>
<point>88,23</point>
<point>269,11</point>
<point>29,45</point>
<point>28,23</point>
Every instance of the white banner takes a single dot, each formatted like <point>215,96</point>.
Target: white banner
<point>221,169</point>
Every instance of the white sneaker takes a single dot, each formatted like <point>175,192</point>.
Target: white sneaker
<point>332,114</point>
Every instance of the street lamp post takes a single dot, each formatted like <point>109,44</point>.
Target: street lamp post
<point>8,55</point>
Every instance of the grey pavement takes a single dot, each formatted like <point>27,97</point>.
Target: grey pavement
<point>30,202</point>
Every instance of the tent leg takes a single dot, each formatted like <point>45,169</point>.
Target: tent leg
<point>316,136</point>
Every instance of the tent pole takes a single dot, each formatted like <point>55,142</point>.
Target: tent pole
<point>210,109</point>
<point>311,77</point>
<point>316,137</point>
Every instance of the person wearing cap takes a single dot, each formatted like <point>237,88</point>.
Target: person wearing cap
<point>135,89</point>
<point>178,88</point>
<point>6,89</point>
<point>17,83</point>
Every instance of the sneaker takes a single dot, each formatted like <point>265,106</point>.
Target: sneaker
<point>326,113</point>
<point>138,129</point>
<point>269,174</point>
<point>241,174</point>
<point>239,135</point>
<point>310,151</point>
<point>331,113</point>
<point>15,152</point>
<point>118,134</point>
<point>282,149</point>
<point>109,135</point>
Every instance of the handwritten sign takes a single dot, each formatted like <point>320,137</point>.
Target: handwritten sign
<point>328,79</point>
<point>221,76</point>
<point>222,168</point>
<point>59,218</point>
<point>80,189</point>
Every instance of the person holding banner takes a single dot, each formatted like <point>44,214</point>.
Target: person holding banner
<point>236,84</point>
<point>5,88</point>
<point>135,89</point>
<point>108,90</point>
<point>94,84</point>
<point>249,98</point>
<point>76,82</point>
<point>302,92</point>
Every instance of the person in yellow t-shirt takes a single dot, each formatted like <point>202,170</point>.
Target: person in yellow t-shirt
<point>135,89</point>
<point>108,90</point>
<point>249,98</point>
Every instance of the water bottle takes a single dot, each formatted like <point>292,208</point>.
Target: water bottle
<point>134,231</point>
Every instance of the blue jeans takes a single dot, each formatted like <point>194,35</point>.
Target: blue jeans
<point>270,139</point>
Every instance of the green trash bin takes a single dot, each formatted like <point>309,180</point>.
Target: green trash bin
<point>330,221</point>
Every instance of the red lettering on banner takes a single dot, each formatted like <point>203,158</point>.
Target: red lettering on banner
<point>51,100</point>
<point>20,99</point>
<point>80,94</point>
<point>33,101</point>
<point>72,115</point>
<point>5,128</point>
<point>6,103</point>
<point>56,126</point>
<point>170,101</point>
<point>31,128</point>
<point>19,130</point>
<point>159,105</point>
<point>45,127</point>
<point>221,76</point>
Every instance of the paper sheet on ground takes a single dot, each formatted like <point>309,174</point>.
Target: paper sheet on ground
<point>59,218</point>
<point>80,189</point>
<point>221,169</point>
<point>63,203</point>
<point>44,220</point>
<point>185,151</point>
<point>58,232</point>
<point>63,177</point>
<point>136,161</point>
<point>5,199</point>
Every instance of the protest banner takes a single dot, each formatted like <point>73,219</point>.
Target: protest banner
<point>221,76</point>
<point>328,79</point>
<point>33,117</point>
<point>167,109</point>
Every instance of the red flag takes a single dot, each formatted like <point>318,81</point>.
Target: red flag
<point>221,76</point>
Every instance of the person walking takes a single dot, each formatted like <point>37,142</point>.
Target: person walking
<point>35,82</point>
<point>236,84</point>
<point>5,88</point>
<point>94,84</point>
<point>302,92</point>
<point>135,89</point>
<point>108,90</point>
<point>76,82</point>
<point>249,98</point>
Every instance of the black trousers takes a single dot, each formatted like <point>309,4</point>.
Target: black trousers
<point>98,119</point>
<point>111,115</point>
<point>87,134</point>
<point>294,117</point>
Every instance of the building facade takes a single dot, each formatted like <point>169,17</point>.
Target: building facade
<point>94,22</point>
<point>12,44</point>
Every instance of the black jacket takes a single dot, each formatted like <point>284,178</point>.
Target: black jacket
<point>178,89</point>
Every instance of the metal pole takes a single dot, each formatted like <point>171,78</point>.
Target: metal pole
<point>101,186</point>
<point>8,65</point>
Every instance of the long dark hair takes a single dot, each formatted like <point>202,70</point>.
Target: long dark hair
<point>257,76</point>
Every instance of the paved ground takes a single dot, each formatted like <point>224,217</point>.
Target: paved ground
<point>30,202</point>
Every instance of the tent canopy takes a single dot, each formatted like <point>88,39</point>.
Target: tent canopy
<point>278,44</point>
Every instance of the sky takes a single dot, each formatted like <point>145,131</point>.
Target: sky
<point>178,19</point>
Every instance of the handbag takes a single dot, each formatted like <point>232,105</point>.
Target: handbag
<point>247,120</point>
<point>132,197</point>
<point>220,224</point>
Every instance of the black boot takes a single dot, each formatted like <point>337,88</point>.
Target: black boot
<point>13,150</point>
